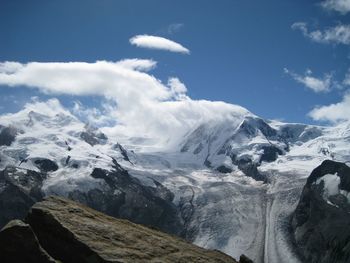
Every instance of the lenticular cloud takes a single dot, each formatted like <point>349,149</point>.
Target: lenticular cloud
<point>155,42</point>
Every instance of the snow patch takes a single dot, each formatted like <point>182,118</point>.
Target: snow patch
<point>331,187</point>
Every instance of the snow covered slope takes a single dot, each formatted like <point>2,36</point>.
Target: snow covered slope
<point>235,181</point>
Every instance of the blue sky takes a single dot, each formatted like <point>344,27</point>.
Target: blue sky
<point>241,52</point>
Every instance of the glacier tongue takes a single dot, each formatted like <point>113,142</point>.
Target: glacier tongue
<point>232,212</point>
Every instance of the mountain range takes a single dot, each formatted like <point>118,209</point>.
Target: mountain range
<point>231,184</point>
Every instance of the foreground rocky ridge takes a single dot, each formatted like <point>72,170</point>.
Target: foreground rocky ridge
<point>321,222</point>
<point>58,229</point>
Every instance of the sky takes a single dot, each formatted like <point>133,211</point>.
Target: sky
<point>176,61</point>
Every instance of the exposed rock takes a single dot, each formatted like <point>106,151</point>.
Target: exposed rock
<point>249,168</point>
<point>245,259</point>
<point>321,222</point>
<point>71,232</point>
<point>161,191</point>
<point>223,169</point>
<point>250,126</point>
<point>18,243</point>
<point>91,137</point>
<point>123,152</point>
<point>118,194</point>
<point>125,197</point>
<point>7,135</point>
<point>46,165</point>
<point>270,153</point>
<point>198,149</point>
<point>68,159</point>
<point>19,190</point>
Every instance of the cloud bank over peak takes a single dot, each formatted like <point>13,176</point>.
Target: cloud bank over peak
<point>134,102</point>
<point>155,42</point>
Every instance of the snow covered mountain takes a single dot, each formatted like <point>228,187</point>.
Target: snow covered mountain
<point>231,184</point>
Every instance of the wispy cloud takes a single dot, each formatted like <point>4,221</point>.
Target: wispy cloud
<point>174,28</point>
<point>339,34</point>
<point>324,84</point>
<point>346,80</point>
<point>155,42</point>
<point>341,6</point>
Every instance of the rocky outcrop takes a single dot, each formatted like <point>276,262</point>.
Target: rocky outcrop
<point>19,190</point>
<point>18,243</point>
<point>270,153</point>
<point>245,259</point>
<point>249,168</point>
<point>46,165</point>
<point>321,222</point>
<point>93,137</point>
<point>71,232</point>
<point>7,135</point>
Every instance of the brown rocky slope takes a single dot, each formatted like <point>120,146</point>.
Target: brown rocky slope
<point>61,230</point>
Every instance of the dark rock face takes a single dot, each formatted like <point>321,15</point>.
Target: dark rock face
<point>250,126</point>
<point>71,232</point>
<point>270,153</point>
<point>121,195</point>
<point>46,165</point>
<point>125,197</point>
<point>245,259</point>
<point>223,169</point>
<point>7,135</point>
<point>19,190</point>
<point>93,138</point>
<point>89,138</point>
<point>322,227</point>
<point>18,243</point>
<point>123,152</point>
<point>249,168</point>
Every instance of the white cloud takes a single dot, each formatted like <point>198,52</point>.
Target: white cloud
<point>341,6</point>
<point>324,84</point>
<point>339,34</point>
<point>110,79</point>
<point>155,42</point>
<point>98,117</point>
<point>302,26</point>
<point>177,88</point>
<point>135,102</point>
<point>334,112</point>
